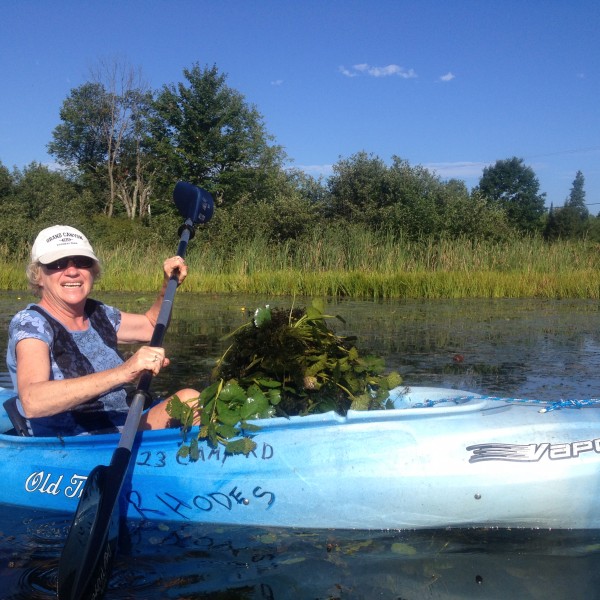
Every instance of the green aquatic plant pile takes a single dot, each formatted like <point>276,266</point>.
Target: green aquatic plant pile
<point>282,363</point>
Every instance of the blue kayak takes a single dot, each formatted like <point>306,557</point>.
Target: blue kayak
<point>440,458</point>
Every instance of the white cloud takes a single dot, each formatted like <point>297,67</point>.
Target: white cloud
<point>347,72</point>
<point>387,71</point>
<point>449,76</point>
<point>277,82</point>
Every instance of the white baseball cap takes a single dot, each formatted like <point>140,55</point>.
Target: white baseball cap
<point>60,241</point>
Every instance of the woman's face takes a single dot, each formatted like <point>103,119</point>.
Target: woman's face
<point>68,281</point>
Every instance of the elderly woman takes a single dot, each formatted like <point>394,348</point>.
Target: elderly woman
<point>62,352</point>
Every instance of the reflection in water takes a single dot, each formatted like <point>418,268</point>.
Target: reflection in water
<point>522,348</point>
<point>437,564</point>
<point>174,560</point>
<point>30,545</point>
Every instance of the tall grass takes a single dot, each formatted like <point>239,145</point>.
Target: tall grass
<point>359,264</point>
<point>367,251</point>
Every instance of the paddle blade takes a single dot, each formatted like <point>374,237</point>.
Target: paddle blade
<point>86,560</point>
<point>193,202</point>
<point>83,551</point>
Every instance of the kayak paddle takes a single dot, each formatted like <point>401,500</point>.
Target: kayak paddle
<point>87,556</point>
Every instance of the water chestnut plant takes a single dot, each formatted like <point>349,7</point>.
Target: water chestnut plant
<point>282,363</point>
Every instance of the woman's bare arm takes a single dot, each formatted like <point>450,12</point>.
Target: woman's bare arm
<point>42,397</point>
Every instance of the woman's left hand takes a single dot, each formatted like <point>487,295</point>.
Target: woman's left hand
<point>175,265</point>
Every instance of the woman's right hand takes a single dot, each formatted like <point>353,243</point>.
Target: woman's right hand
<point>147,358</point>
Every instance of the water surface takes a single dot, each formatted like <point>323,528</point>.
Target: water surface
<point>519,348</point>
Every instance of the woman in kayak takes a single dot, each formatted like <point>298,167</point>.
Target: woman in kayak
<point>62,352</point>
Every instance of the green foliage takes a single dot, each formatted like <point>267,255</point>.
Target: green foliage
<point>411,202</point>
<point>121,232</point>
<point>420,199</point>
<point>6,181</point>
<point>311,189</point>
<point>37,198</point>
<point>100,140</point>
<point>281,220</point>
<point>79,141</point>
<point>359,188</point>
<point>287,363</point>
<point>515,188</point>
<point>118,141</point>
<point>472,217</point>
<point>573,219</point>
<point>205,132</point>
<point>576,199</point>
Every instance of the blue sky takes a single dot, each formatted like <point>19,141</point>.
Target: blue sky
<point>450,85</point>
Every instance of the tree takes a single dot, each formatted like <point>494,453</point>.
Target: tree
<point>38,198</point>
<point>47,197</point>
<point>419,199</point>
<point>409,201</point>
<point>101,137</point>
<point>572,220</point>
<point>6,181</point>
<point>128,172</point>
<point>204,132</point>
<point>78,143</point>
<point>551,228</point>
<point>312,189</point>
<point>515,188</point>
<point>576,199</point>
<point>358,189</point>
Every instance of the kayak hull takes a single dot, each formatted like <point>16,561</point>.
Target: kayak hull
<point>466,461</point>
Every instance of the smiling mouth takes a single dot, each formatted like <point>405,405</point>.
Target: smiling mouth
<point>71,285</point>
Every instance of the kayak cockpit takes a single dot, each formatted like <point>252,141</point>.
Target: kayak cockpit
<point>444,400</point>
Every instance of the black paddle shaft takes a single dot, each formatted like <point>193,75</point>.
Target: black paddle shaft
<point>164,316</point>
<point>86,561</point>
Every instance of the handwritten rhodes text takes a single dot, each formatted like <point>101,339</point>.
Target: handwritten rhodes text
<point>157,500</point>
<point>156,503</point>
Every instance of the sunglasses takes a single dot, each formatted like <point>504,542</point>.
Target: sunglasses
<point>80,262</point>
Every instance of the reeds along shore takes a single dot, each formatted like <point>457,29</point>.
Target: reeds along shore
<point>366,266</point>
